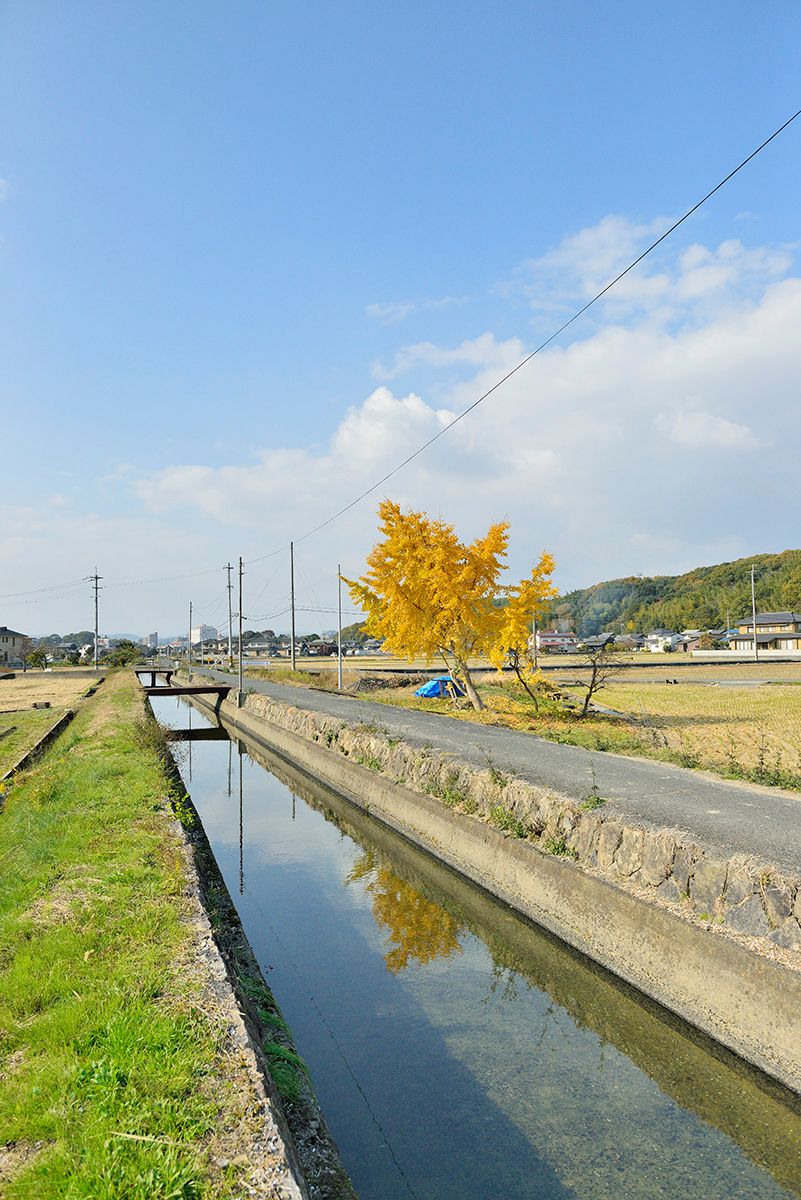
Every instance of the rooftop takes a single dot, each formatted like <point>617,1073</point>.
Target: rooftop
<point>773,618</point>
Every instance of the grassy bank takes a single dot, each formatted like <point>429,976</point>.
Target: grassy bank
<point>117,1079</point>
<point>19,731</point>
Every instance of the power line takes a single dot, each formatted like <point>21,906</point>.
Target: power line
<point>446,428</point>
<point>56,587</point>
<point>164,578</point>
<point>475,404</point>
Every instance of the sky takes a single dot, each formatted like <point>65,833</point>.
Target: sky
<point>253,255</point>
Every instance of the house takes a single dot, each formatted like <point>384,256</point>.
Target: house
<point>775,631</point>
<point>598,641</point>
<point>555,641</point>
<point>11,644</point>
<point>660,641</point>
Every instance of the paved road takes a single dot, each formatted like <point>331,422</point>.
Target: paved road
<point>727,816</point>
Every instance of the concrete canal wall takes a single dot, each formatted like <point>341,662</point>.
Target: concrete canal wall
<point>715,941</point>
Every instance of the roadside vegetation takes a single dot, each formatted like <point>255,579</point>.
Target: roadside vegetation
<point>743,732</point>
<point>117,1080</point>
<point>749,733</point>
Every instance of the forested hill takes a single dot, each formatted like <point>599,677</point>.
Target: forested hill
<point>701,599</point>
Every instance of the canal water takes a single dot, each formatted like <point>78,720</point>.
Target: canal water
<point>457,1051</point>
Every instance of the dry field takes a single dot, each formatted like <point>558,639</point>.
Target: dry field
<point>34,686</point>
<point>559,667</point>
<point>21,725</point>
<point>755,729</point>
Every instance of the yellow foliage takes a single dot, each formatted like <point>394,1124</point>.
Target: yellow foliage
<point>428,594</point>
<point>419,930</point>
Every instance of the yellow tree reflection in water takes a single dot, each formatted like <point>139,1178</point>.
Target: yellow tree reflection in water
<point>419,929</point>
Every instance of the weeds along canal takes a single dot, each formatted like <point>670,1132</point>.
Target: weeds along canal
<point>457,1051</point>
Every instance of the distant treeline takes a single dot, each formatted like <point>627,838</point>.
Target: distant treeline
<point>706,598</point>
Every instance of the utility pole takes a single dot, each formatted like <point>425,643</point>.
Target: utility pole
<point>753,616</point>
<point>239,697</point>
<point>339,627</point>
<point>95,579</point>
<point>292,598</point>
<point>228,568</point>
<point>189,644</point>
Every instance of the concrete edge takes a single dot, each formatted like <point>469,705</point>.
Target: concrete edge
<point>748,1003</point>
<point>316,1168</point>
<point>288,1182</point>
<point>47,737</point>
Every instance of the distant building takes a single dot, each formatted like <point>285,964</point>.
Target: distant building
<point>151,640</point>
<point>775,631</point>
<point>204,633</point>
<point>11,644</point>
<point>660,641</point>
<point>556,641</point>
<point>598,641</point>
<point>628,641</point>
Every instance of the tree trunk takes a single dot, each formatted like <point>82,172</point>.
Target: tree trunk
<point>522,681</point>
<point>590,692</point>
<point>464,676</point>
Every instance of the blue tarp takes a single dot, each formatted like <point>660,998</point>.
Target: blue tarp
<point>443,685</point>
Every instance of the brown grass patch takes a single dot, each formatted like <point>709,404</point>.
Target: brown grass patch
<point>31,688</point>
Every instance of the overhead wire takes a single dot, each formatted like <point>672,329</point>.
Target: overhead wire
<point>489,391</point>
<point>56,587</point>
<point>565,325</point>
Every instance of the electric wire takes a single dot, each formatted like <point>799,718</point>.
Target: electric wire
<point>485,395</point>
<point>580,312</point>
<point>56,587</point>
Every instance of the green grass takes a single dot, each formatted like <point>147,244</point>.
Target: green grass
<point>27,728</point>
<point>109,1056</point>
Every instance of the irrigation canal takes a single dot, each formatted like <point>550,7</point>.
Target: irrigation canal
<point>458,1052</point>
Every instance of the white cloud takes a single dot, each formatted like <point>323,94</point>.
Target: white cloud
<point>705,431</point>
<point>391,312</point>
<point>619,453</point>
<point>626,450</point>
<point>691,287</point>
<point>483,351</point>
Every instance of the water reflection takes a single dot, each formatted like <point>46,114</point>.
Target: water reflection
<point>499,1062</point>
<point>419,930</point>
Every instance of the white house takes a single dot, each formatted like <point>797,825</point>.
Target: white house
<point>11,643</point>
<point>661,641</point>
<point>555,641</point>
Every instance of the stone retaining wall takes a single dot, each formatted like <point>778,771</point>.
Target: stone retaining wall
<point>743,894</point>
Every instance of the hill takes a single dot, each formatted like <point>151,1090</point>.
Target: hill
<point>354,632</point>
<point>705,598</point>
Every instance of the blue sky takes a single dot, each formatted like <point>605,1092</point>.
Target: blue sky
<point>251,254</point>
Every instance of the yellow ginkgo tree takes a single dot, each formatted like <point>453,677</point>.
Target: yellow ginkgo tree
<point>428,595</point>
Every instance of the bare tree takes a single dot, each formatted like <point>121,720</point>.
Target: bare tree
<point>600,659</point>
